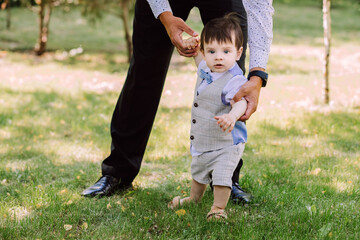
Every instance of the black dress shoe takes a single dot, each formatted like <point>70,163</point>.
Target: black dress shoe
<point>123,186</point>
<point>105,186</point>
<point>238,195</point>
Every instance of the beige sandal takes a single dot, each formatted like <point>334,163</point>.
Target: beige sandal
<point>174,203</point>
<point>216,215</point>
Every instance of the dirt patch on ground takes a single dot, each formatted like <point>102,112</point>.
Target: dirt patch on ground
<point>300,89</point>
<point>344,59</point>
<point>18,75</point>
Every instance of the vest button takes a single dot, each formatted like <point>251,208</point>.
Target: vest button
<point>194,121</point>
<point>191,137</point>
<point>196,105</point>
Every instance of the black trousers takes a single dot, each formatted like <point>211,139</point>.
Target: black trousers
<point>152,50</point>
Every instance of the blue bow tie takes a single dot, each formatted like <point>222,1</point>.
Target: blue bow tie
<point>206,76</point>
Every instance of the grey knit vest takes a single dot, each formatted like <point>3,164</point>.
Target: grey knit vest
<point>206,134</point>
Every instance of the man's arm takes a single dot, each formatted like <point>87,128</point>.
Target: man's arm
<point>260,34</point>
<point>259,18</point>
<point>174,26</point>
<point>159,6</point>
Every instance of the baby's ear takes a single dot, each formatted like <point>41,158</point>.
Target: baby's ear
<point>239,52</point>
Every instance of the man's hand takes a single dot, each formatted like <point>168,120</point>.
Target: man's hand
<point>251,92</point>
<point>175,26</point>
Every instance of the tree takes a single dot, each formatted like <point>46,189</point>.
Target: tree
<point>125,18</point>
<point>120,8</point>
<point>7,5</point>
<point>44,9</point>
<point>44,13</point>
<point>327,43</point>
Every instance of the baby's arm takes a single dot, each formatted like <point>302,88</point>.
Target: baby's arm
<point>198,58</point>
<point>227,121</point>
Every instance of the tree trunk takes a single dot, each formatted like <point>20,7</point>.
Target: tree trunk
<point>8,14</point>
<point>6,5</point>
<point>125,19</point>
<point>327,43</point>
<point>44,21</point>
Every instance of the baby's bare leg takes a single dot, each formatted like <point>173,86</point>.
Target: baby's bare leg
<point>196,193</point>
<point>221,197</point>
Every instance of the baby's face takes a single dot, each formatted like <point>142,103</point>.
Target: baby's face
<point>220,57</point>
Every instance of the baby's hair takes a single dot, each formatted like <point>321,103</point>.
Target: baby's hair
<point>221,30</point>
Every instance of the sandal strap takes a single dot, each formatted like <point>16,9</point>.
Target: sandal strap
<point>217,214</point>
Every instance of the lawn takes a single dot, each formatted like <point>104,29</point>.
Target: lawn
<point>302,159</point>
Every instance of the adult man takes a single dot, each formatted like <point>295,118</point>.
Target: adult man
<point>153,43</point>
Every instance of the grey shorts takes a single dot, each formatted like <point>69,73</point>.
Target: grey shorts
<point>217,166</point>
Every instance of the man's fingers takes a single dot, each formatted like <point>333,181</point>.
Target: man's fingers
<point>249,111</point>
<point>189,31</point>
<point>245,117</point>
<point>239,95</point>
<point>178,42</point>
<point>186,52</point>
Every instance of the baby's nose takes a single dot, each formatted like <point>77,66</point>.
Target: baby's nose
<point>219,56</point>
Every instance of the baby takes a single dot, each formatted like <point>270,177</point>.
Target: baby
<point>217,138</point>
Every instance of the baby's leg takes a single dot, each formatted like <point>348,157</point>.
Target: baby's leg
<point>196,193</point>
<point>221,197</point>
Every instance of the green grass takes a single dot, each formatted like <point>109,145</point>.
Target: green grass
<point>302,159</point>
<point>303,172</point>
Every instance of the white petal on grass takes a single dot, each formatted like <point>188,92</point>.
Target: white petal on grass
<point>18,213</point>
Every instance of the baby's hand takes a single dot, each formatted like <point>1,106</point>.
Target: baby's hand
<point>226,121</point>
<point>191,42</point>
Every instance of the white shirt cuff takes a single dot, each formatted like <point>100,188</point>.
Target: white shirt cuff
<point>159,6</point>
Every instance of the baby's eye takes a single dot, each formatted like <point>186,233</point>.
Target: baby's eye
<point>211,51</point>
<point>226,51</point>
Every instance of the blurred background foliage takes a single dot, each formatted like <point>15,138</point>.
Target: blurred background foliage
<point>21,22</point>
